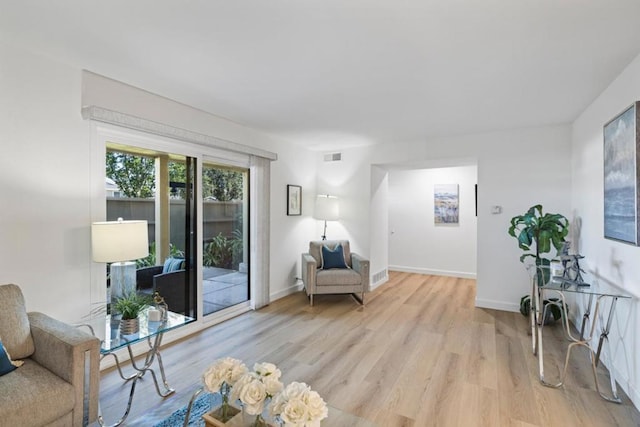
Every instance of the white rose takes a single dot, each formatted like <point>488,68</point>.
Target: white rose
<point>294,413</point>
<point>253,395</point>
<point>267,369</point>
<point>272,385</point>
<point>316,406</point>
<point>239,385</point>
<point>211,381</point>
<point>295,390</point>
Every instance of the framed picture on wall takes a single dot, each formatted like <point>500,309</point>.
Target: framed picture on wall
<point>294,200</point>
<point>621,139</point>
<point>445,203</point>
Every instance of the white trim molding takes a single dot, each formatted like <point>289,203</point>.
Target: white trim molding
<point>128,121</point>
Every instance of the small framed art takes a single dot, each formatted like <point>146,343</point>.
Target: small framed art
<point>294,200</point>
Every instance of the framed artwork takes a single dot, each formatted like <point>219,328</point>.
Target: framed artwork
<point>294,200</point>
<point>621,139</point>
<point>445,203</point>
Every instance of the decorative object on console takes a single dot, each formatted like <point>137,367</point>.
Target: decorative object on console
<point>621,175</point>
<point>327,209</point>
<point>445,203</point>
<point>129,307</point>
<point>543,231</point>
<point>294,200</point>
<point>119,243</point>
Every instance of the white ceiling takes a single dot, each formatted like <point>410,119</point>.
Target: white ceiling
<point>332,73</point>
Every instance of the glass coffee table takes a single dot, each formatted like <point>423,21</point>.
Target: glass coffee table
<point>150,332</point>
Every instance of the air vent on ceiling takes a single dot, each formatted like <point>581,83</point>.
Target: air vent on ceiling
<point>333,157</point>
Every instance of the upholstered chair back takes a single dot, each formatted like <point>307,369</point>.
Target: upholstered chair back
<point>315,250</point>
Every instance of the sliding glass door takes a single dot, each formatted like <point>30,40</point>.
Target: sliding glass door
<point>225,240</point>
<point>160,188</point>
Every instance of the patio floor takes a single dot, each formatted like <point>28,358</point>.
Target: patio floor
<point>223,288</point>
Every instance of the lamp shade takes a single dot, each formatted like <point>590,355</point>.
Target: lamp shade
<point>117,241</point>
<point>327,208</point>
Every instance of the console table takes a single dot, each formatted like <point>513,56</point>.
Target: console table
<point>151,332</point>
<point>599,296</point>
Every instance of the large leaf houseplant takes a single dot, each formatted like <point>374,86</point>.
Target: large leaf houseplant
<point>537,233</point>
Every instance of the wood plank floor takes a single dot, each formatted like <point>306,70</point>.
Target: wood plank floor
<point>418,354</point>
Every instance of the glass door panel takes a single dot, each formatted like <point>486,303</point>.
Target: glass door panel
<point>225,251</point>
<point>157,187</point>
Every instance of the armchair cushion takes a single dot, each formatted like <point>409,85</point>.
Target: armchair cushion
<point>333,258</point>
<point>15,331</point>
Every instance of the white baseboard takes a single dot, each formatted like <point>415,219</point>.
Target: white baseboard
<point>287,291</point>
<point>497,305</point>
<point>405,269</point>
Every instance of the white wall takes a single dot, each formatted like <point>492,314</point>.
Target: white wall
<point>45,172</point>
<point>516,169</point>
<point>612,261</point>
<point>416,243</point>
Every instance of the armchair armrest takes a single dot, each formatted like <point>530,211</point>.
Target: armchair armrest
<point>361,265</point>
<point>144,276</point>
<point>309,268</point>
<point>62,349</point>
<point>172,286</point>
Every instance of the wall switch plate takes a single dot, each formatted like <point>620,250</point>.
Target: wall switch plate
<point>496,210</point>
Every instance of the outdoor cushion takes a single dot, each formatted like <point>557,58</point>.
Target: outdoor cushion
<point>15,331</point>
<point>172,264</point>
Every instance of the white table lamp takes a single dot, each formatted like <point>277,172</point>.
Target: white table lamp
<point>119,243</point>
<point>327,209</point>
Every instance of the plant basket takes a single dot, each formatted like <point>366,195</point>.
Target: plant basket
<point>129,326</point>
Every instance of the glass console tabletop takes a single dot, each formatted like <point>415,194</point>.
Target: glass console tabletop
<point>114,340</point>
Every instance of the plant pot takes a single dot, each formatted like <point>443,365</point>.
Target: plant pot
<point>129,326</point>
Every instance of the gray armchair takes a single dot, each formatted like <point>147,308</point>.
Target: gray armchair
<point>317,279</point>
<point>49,388</point>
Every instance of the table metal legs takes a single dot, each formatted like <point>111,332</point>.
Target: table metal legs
<point>139,371</point>
<point>537,324</point>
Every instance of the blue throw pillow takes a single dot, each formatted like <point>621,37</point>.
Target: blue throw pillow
<point>5,363</point>
<point>172,264</point>
<point>333,258</point>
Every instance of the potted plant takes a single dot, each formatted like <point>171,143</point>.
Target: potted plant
<point>537,233</point>
<point>129,307</point>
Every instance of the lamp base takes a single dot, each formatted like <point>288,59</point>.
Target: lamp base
<point>123,280</point>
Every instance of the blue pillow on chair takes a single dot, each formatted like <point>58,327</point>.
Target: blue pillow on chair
<point>172,264</point>
<point>333,258</point>
<point>6,365</point>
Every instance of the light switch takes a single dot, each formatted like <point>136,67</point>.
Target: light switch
<point>496,210</point>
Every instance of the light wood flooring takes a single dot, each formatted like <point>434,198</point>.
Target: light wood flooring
<point>418,354</point>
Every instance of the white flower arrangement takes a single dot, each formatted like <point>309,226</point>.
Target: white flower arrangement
<point>223,372</point>
<point>221,377</point>
<point>298,406</point>
<point>254,388</point>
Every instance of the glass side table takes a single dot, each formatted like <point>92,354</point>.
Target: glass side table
<point>598,295</point>
<point>151,332</point>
